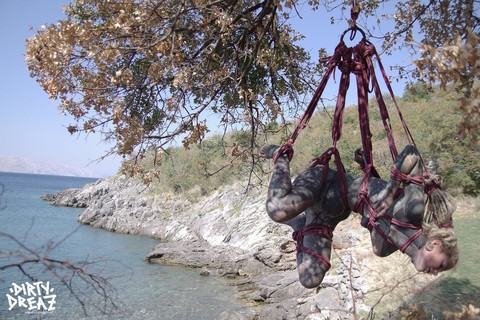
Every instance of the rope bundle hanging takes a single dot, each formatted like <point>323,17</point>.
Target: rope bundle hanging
<point>357,60</point>
<point>319,198</point>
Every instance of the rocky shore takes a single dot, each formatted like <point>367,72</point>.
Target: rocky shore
<point>229,234</point>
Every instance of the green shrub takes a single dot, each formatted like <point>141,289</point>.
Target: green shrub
<point>432,116</point>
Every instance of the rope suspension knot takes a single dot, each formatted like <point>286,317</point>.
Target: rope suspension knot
<point>354,12</point>
<point>345,67</point>
<point>342,52</point>
<point>397,175</point>
<point>357,67</point>
<point>362,200</point>
<point>342,58</point>
<point>287,149</point>
<point>368,51</point>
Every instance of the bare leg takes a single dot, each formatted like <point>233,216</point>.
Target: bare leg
<point>312,269</point>
<point>285,200</point>
<point>407,162</point>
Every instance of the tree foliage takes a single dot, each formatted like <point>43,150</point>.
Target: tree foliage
<point>202,170</point>
<point>443,38</point>
<point>144,73</point>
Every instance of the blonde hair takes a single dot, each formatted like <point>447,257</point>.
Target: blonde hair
<point>446,236</point>
<point>439,207</point>
<point>437,219</point>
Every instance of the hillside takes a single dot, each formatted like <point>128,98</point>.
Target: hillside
<point>432,118</point>
<point>25,165</point>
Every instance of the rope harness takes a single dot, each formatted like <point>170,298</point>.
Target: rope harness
<point>355,60</point>
<point>358,61</point>
<point>313,229</point>
<point>373,217</point>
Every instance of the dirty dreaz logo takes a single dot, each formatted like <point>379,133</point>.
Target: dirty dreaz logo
<point>33,297</point>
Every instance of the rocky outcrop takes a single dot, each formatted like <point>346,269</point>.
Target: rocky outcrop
<point>79,198</point>
<point>228,233</point>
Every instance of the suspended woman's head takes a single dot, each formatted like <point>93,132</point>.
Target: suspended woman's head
<point>438,227</point>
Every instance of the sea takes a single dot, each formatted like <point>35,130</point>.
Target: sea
<point>52,267</point>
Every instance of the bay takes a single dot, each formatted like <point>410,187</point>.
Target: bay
<point>139,290</point>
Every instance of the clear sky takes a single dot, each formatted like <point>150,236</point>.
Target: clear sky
<point>32,127</point>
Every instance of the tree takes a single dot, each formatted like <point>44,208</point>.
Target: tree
<point>143,73</point>
<point>443,37</point>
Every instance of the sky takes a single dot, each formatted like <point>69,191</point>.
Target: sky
<point>31,126</point>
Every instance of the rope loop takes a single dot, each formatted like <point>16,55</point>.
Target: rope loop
<point>287,149</point>
<point>324,159</point>
<point>353,33</point>
<point>397,175</point>
<point>313,229</point>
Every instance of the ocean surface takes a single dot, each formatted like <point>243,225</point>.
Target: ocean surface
<point>111,274</point>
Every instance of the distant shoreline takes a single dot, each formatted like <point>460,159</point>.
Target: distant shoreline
<point>52,175</point>
<point>17,164</point>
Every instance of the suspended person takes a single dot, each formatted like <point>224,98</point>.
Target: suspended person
<point>313,207</point>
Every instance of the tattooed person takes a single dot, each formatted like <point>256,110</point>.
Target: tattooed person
<point>402,219</point>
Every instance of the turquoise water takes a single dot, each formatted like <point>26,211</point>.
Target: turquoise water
<point>139,290</point>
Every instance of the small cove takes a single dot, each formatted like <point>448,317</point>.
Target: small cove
<point>141,290</point>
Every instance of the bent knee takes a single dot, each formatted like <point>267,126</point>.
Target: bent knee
<point>278,214</point>
<point>310,281</point>
<point>310,274</point>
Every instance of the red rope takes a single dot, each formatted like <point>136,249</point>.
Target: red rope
<point>313,229</point>
<point>342,53</point>
<point>356,60</point>
<point>341,59</point>
<point>324,160</point>
<point>397,175</point>
<point>368,51</point>
<point>373,225</point>
<point>410,240</point>
<point>354,12</point>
